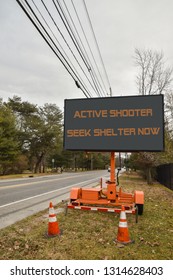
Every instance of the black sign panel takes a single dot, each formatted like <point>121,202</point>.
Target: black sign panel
<point>130,123</point>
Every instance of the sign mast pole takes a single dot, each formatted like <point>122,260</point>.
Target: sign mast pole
<point>112,173</point>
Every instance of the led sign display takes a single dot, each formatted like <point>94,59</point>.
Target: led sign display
<point>129,123</point>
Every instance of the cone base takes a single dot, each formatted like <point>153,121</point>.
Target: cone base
<point>124,242</point>
<point>53,235</point>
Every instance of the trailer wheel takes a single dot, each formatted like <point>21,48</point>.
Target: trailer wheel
<point>140,208</point>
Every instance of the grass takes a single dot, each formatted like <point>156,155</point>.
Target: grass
<point>91,235</point>
<point>23,175</point>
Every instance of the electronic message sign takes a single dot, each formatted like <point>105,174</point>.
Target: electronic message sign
<point>129,123</point>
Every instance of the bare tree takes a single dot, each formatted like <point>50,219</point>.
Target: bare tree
<point>153,76</point>
<point>169,104</point>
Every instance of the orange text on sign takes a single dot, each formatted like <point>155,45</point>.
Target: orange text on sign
<point>84,114</point>
<point>78,132</point>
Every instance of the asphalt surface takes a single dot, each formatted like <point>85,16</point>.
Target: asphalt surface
<point>20,198</point>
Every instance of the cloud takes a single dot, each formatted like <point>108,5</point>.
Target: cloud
<point>28,67</point>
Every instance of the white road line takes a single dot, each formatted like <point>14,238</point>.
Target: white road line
<point>39,195</point>
<point>40,182</point>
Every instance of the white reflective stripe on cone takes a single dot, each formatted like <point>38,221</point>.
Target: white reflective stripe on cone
<point>123,224</point>
<point>123,215</point>
<point>52,219</point>
<point>51,211</point>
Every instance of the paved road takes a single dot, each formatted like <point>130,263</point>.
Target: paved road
<point>23,197</point>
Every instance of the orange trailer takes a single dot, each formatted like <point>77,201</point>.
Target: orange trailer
<point>110,199</point>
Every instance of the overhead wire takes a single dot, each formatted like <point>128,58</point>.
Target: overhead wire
<point>40,28</point>
<point>83,31</point>
<point>47,10</point>
<point>77,41</point>
<point>92,72</point>
<point>72,35</point>
<point>51,31</point>
<point>64,20</point>
<point>63,37</point>
<point>95,39</point>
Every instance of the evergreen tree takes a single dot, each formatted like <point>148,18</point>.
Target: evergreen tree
<point>9,145</point>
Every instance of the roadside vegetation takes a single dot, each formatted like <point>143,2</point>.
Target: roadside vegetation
<point>31,140</point>
<point>154,77</point>
<point>31,136</point>
<point>88,235</point>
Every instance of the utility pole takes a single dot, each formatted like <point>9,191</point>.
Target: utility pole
<point>110,91</point>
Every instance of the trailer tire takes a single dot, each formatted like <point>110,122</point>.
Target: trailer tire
<point>140,208</point>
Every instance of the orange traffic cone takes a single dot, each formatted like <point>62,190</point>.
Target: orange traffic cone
<point>123,233</point>
<point>53,227</point>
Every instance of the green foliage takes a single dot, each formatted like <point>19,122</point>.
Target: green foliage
<point>39,130</point>
<point>9,145</point>
<point>31,137</point>
<point>47,134</point>
<point>71,160</point>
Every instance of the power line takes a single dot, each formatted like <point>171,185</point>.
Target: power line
<point>71,33</point>
<point>64,20</point>
<point>47,10</point>
<point>83,31</point>
<point>65,54</point>
<point>44,29</point>
<point>97,46</point>
<point>92,72</point>
<point>29,12</point>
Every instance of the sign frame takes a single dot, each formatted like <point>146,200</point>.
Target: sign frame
<point>128,113</point>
